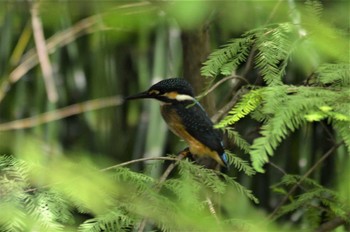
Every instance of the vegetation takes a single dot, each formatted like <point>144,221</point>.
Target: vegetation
<point>76,157</point>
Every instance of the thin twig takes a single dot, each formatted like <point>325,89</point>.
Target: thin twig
<point>274,10</point>
<point>136,161</point>
<point>61,113</point>
<point>291,191</point>
<point>226,108</point>
<point>212,88</point>
<point>41,49</point>
<point>328,132</point>
<point>277,167</point>
<point>332,224</point>
<point>170,169</point>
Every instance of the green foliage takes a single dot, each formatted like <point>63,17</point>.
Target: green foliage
<point>283,108</point>
<point>27,207</point>
<point>335,75</point>
<point>246,105</point>
<point>294,56</point>
<point>114,220</point>
<point>227,59</point>
<point>240,142</point>
<point>51,207</point>
<point>315,202</point>
<point>275,46</point>
<point>240,164</point>
<point>319,93</point>
<point>288,107</point>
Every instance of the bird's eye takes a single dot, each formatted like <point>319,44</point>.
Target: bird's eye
<point>153,92</point>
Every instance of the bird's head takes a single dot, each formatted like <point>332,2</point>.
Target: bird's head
<point>169,91</point>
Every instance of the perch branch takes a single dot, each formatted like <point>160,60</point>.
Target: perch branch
<point>136,161</point>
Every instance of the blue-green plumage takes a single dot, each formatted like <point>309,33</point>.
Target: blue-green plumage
<point>187,118</point>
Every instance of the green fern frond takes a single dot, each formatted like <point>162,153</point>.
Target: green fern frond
<point>334,74</point>
<point>240,188</point>
<point>312,217</point>
<point>51,210</point>
<point>115,220</point>
<point>46,210</point>
<point>314,7</point>
<point>140,180</point>
<point>342,129</point>
<point>289,180</point>
<point>327,112</point>
<point>208,178</point>
<point>238,140</point>
<point>247,104</point>
<point>240,164</point>
<point>287,106</point>
<point>225,60</point>
<point>275,45</point>
<point>205,176</point>
<point>12,218</point>
<point>326,201</point>
<point>13,168</point>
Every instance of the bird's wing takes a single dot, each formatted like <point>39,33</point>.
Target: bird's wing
<point>199,125</point>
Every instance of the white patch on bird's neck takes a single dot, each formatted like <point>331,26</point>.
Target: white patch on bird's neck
<point>183,97</point>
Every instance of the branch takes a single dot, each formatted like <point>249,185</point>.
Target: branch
<point>226,108</point>
<point>332,224</point>
<point>217,84</point>
<point>61,113</point>
<point>277,167</point>
<point>117,166</point>
<point>136,161</point>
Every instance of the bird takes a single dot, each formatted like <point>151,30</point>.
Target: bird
<point>187,119</point>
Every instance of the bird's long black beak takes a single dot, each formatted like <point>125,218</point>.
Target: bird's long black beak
<point>139,96</point>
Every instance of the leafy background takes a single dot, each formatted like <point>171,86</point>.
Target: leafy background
<point>273,75</point>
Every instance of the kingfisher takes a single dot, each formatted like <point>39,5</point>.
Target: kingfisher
<point>186,118</point>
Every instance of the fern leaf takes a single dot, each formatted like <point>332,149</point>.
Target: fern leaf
<point>115,220</point>
<point>205,176</point>
<point>240,164</point>
<point>343,129</point>
<point>334,74</point>
<point>226,59</point>
<point>238,140</point>
<point>287,107</point>
<point>240,188</point>
<point>275,46</point>
<point>247,104</point>
<point>314,7</point>
<point>51,211</point>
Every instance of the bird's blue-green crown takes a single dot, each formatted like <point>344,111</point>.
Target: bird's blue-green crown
<point>179,85</point>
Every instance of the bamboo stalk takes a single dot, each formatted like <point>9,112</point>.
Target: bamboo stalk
<point>43,56</point>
